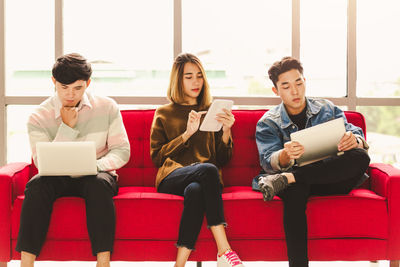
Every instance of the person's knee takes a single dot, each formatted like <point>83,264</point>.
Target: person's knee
<point>210,172</point>
<point>37,186</point>
<point>98,187</point>
<point>193,192</point>
<point>360,157</point>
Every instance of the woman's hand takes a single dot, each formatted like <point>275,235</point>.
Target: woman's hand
<point>227,119</point>
<point>193,124</point>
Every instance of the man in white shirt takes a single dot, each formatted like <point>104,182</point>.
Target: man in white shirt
<point>73,114</point>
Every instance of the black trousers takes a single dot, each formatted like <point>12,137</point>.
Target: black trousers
<point>200,186</point>
<point>337,175</point>
<point>40,194</point>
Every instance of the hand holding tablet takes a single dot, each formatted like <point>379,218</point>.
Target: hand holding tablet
<point>210,124</point>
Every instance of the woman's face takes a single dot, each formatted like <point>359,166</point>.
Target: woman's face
<point>192,83</point>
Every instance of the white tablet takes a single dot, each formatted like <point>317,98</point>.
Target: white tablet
<point>319,141</point>
<point>210,124</point>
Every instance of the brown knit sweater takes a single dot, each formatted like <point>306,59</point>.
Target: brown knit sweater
<point>169,152</point>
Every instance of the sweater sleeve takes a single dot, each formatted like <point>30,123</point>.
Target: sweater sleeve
<point>161,147</point>
<point>224,151</point>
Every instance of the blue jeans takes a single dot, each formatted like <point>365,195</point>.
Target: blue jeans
<point>200,186</point>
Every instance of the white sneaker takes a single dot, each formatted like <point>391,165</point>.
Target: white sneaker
<point>229,259</point>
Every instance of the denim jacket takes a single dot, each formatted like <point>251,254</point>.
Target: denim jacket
<point>274,129</point>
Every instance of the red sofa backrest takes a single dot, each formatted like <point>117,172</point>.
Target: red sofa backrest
<point>244,165</point>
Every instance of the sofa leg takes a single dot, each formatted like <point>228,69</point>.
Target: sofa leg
<point>373,264</point>
<point>3,264</point>
<point>395,263</point>
<point>199,264</point>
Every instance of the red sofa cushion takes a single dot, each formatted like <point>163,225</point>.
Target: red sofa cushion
<point>144,214</point>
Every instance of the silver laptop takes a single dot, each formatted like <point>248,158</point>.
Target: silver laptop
<point>66,158</point>
<point>319,141</point>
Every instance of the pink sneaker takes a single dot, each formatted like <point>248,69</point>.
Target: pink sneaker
<point>229,259</point>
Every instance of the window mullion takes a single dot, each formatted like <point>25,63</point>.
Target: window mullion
<point>296,28</point>
<point>351,54</point>
<point>177,27</point>
<point>58,29</point>
<point>3,121</point>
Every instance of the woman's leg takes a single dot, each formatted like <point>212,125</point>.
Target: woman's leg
<point>181,182</point>
<point>219,234</point>
<point>202,192</point>
<point>182,256</point>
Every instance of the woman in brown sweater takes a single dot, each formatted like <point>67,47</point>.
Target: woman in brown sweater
<point>189,159</point>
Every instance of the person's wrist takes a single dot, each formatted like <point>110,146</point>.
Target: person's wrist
<point>185,136</point>
<point>284,159</point>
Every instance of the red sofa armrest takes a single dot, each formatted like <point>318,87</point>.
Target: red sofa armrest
<point>385,181</point>
<point>13,178</point>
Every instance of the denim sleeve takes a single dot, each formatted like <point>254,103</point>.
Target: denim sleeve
<point>269,145</point>
<point>349,127</point>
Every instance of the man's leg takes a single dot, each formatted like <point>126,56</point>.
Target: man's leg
<point>98,192</point>
<point>40,194</point>
<point>352,163</point>
<point>295,223</point>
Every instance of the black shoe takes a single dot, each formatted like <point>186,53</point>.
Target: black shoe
<point>271,185</point>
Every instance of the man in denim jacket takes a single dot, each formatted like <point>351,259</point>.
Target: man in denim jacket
<point>335,175</point>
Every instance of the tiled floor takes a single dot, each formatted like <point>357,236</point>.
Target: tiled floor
<point>205,264</point>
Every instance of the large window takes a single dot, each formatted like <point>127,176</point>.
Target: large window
<point>17,137</point>
<point>128,42</point>
<point>237,41</point>
<point>383,133</point>
<point>323,35</point>
<point>378,57</point>
<point>29,46</point>
<point>132,43</point>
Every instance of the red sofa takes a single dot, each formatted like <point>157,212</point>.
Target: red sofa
<point>363,225</point>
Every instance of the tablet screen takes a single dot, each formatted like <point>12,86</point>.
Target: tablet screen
<point>210,124</point>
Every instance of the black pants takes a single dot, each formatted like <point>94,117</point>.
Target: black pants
<point>40,194</point>
<point>337,175</point>
<point>200,186</point>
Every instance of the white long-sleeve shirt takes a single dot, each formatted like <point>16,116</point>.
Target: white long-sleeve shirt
<point>99,120</point>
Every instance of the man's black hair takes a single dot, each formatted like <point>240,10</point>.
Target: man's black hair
<point>282,66</point>
<point>71,68</point>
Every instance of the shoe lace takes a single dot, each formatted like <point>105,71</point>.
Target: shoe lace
<point>233,258</point>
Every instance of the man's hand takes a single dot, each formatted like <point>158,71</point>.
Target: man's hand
<point>348,141</point>
<point>291,150</point>
<point>193,124</point>
<point>69,116</point>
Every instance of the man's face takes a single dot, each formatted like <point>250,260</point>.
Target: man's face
<point>291,89</point>
<point>71,94</point>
